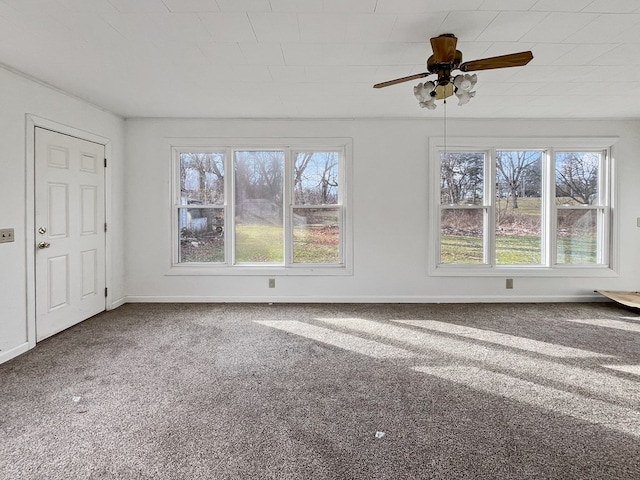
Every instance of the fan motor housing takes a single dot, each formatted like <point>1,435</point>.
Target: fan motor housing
<point>444,69</point>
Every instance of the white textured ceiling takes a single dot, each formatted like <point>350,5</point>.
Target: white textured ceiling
<point>320,58</point>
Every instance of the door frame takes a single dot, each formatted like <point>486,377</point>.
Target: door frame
<point>33,121</point>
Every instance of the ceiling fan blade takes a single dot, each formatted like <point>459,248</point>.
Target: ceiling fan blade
<point>444,48</point>
<point>400,80</point>
<point>503,61</point>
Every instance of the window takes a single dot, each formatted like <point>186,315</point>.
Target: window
<point>522,205</point>
<point>581,211</point>
<point>258,227</point>
<point>271,207</point>
<point>201,207</point>
<point>463,212</point>
<point>518,207</point>
<point>316,210</point>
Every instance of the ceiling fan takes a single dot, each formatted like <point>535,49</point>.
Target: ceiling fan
<point>444,61</point>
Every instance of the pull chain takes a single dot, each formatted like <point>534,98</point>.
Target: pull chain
<point>445,126</point>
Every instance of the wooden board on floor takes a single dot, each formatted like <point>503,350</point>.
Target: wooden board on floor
<point>630,299</point>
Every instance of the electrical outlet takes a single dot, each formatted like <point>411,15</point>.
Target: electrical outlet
<point>509,283</point>
<point>6,235</point>
<point>272,283</point>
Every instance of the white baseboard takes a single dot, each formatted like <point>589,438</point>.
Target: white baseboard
<point>14,352</point>
<point>117,303</point>
<point>367,299</point>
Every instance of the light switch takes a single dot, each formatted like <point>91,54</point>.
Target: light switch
<point>6,235</point>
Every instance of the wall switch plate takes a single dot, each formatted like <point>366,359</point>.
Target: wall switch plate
<point>272,283</point>
<point>6,235</point>
<point>638,220</point>
<point>509,283</point>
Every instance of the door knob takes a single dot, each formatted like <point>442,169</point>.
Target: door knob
<point>42,245</point>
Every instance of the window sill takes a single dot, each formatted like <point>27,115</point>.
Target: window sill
<point>516,271</point>
<point>252,270</point>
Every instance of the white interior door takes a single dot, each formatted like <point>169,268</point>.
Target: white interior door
<point>70,232</point>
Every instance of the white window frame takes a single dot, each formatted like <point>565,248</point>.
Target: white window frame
<point>607,240</point>
<point>176,146</point>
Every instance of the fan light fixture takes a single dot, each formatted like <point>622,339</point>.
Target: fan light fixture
<point>428,92</point>
<point>445,59</point>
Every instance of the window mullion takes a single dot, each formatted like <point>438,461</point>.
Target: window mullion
<point>342,202</point>
<point>175,194</point>
<point>602,217</point>
<point>603,177</point>
<point>608,207</point>
<point>489,207</point>
<point>287,207</point>
<point>551,209</point>
<point>600,241</point>
<point>230,207</point>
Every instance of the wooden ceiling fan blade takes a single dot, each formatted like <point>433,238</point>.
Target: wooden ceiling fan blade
<point>503,61</point>
<point>444,48</point>
<point>400,80</point>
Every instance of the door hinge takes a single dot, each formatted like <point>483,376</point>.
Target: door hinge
<point>105,291</point>
<point>105,226</point>
<point>105,163</point>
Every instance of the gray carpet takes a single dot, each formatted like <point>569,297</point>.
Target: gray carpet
<point>232,391</point>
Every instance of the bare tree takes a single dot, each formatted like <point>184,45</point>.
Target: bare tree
<point>259,184</point>
<point>202,183</point>
<point>316,178</point>
<point>208,168</point>
<point>577,176</point>
<point>512,168</point>
<point>268,168</point>
<point>300,166</point>
<point>461,178</point>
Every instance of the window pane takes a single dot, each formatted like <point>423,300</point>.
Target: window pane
<point>202,178</point>
<point>461,234</point>
<point>577,178</point>
<point>201,235</point>
<point>316,235</point>
<point>258,210</point>
<point>316,178</point>
<point>462,178</point>
<point>577,236</point>
<point>518,207</point>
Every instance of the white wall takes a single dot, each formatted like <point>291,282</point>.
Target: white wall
<point>390,229</point>
<point>19,97</point>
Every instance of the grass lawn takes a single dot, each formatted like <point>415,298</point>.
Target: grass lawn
<point>320,245</point>
<point>265,244</point>
<point>577,250</point>
<point>510,250</point>
<point>461,249</point>
<point>259,244</point>
<point>516,250</point>
<point>526,206</point>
